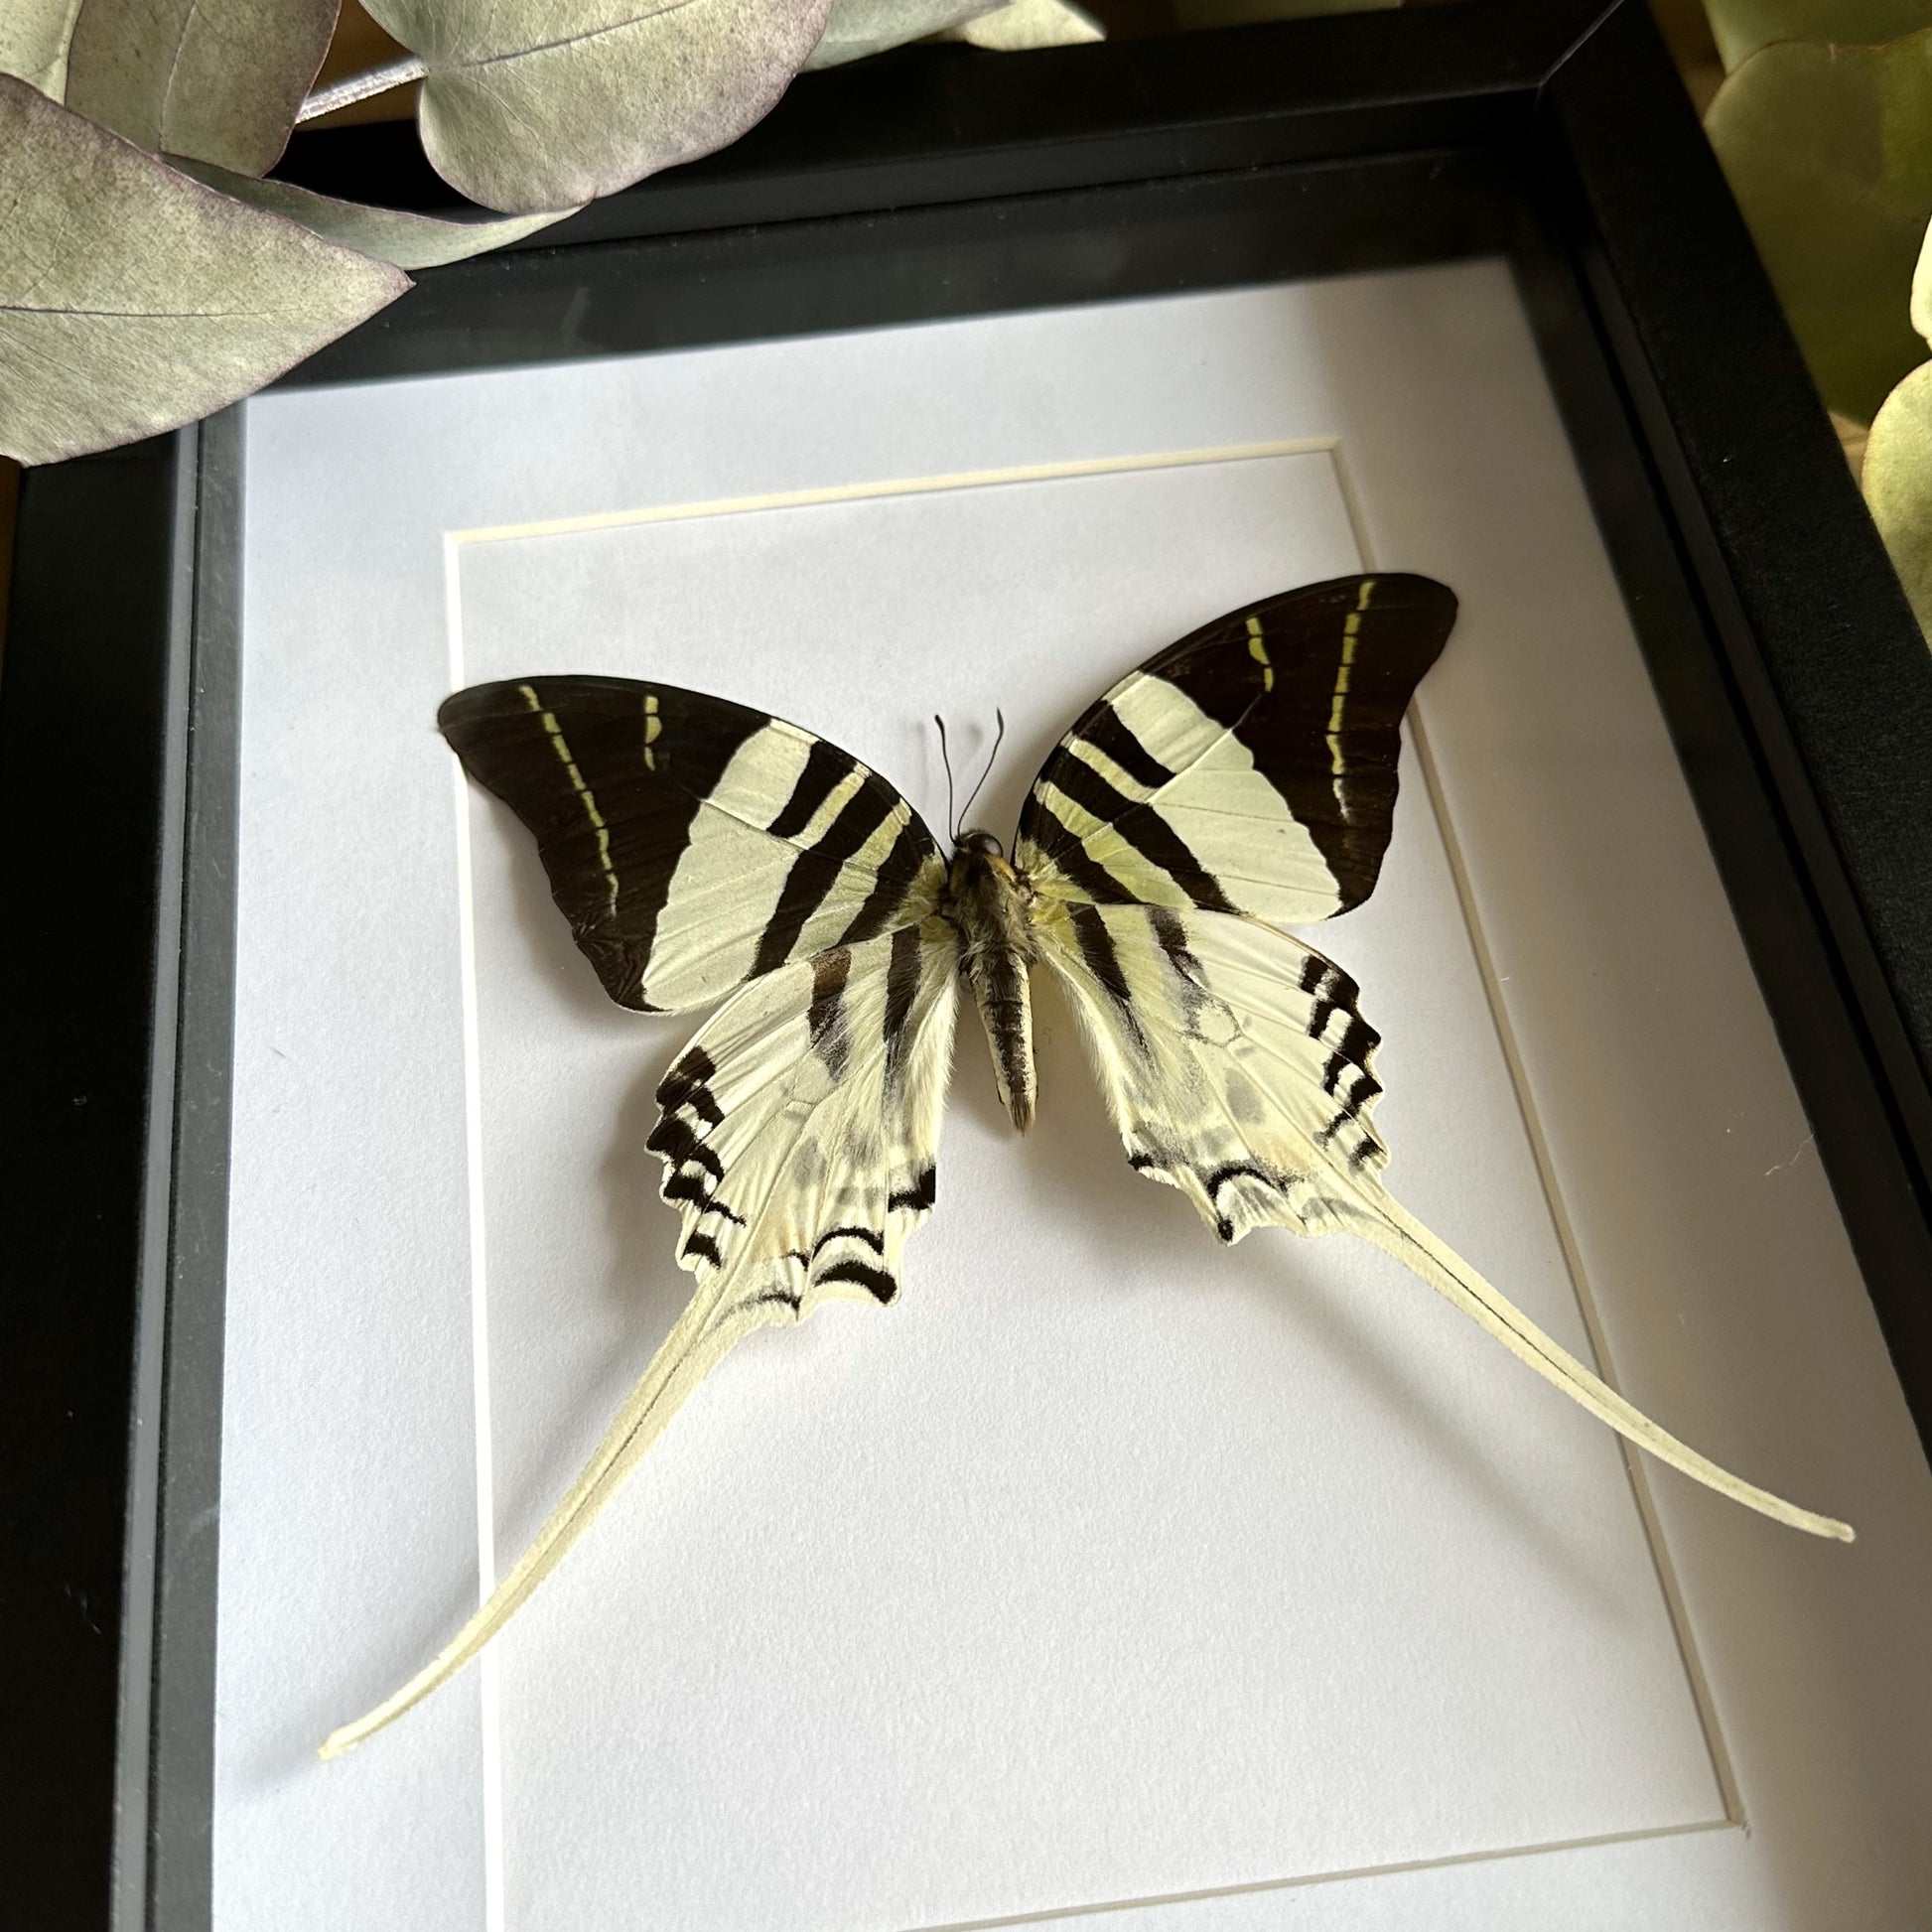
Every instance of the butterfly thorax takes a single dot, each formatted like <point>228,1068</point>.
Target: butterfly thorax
<point>989,902</point>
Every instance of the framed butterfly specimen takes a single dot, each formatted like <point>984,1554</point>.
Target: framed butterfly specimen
<point>335,1249</point>
<point>1239,785</point>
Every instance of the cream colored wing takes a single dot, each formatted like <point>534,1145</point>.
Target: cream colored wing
<point>799,1134</point>
<point>1250,767</point>
<point>1238,1068</point>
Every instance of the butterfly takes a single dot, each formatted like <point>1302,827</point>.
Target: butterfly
<point>1239,783</point>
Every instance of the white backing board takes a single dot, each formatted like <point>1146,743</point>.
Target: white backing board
<point>1106,1566</point>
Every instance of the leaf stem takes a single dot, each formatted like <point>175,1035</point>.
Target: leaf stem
<point>362,87</point>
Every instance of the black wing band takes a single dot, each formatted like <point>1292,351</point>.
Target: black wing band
<point>1249,767</point>
<point>692,843</point>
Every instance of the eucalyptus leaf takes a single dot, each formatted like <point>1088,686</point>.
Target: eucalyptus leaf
<point>536,104</point>
<point>1921,310</point>
<point>33,36</point>
<point>1897,479</point>
<point>219,79</point>
<point>1852,440</point>
<point>861,26</point>
<point>1030,23</point>
<point>1741,27</point>
<point>1829,151</point>
<point>133,300</point>
<point>407,240</point>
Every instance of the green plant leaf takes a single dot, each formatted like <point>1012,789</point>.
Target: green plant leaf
<point>219,79</point>
<point>1829,151</point>
<point>535,104</point>
<point>33,36</point>
<point>133,300</point>
<point>407,240</point>
<point>1022,24</point>
<point>1897,479</point>
<point>857,27</point>
<point>1741,27</point>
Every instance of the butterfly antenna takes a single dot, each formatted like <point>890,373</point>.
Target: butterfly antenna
<point>998,738</point>
<point>952,824</point>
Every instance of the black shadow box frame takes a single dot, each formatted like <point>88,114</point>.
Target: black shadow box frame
<point>933,182</point>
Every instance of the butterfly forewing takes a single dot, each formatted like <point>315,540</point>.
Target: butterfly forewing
<point>1250,767</point>
<point>693,844</point>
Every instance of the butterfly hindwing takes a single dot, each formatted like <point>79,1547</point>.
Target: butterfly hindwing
<point>693,844</point>
<point>1233,1060</point>
<point>800,1130</point>
<point>1237,1068</point>
<point>1250,767</point>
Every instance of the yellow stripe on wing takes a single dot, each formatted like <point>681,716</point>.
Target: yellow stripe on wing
<point>1258,650</point>
<point>561,747</point>
<point>1350,631</point>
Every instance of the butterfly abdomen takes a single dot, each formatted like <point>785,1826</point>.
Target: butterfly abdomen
<point>988,902</point>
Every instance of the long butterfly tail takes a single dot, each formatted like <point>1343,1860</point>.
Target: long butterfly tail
<point>689,1352</point>
<point>1391,1227</point>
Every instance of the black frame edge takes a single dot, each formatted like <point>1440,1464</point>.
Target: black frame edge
<point>86,708</point>
<point>135,1717</point>
<point>1817,641</point>
<point>175,1803</point>
<point>861,137</point>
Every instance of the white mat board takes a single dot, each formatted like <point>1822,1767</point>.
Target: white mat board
<point>1106,1566</point>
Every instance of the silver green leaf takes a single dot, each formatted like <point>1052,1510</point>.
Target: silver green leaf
<point>219,79</point>
<point>1022,24</point>
<point>1897,480</point>
<point>1829,151</point>
<point>1896,474</point>
<point>857,27</point>
<point>536,104</point>
<point>407,240</point>
<point>33,36</point>
<point>1741,27</point>
<point>1921,309</point>
<point>133,300</point>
